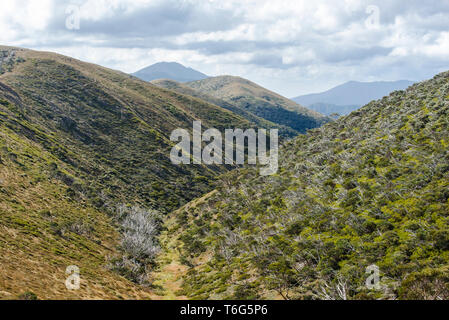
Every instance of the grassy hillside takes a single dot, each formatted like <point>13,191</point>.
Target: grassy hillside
<point>258,122</point>
<point>260,102</point>
<point>84,150</point>
<point>371,188</point>
<point>86,180</point>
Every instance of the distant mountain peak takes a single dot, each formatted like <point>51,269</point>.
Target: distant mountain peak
<point>169,70</point>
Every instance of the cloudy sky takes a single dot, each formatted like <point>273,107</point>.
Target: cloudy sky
<point>292,47</point>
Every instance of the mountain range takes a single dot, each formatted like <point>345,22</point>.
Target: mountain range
<point>340,100</point>
<point>83,149</point>
<point>86,180</point>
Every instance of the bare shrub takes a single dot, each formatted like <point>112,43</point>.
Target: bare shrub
<point>140,229</point>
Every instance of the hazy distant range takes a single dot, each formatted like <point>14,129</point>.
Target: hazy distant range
<point>350,96</point>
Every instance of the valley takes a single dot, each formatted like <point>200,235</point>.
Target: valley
<point>86,179</point>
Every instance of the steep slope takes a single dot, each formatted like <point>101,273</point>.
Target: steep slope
<point>84,154</point>
<point>260,101</point>
<point>368,191</point>
<point>169,70</point>
<point>235,108</point>
<point>353,93</point>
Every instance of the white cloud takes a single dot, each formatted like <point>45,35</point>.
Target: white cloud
<point>19,18</point>
<point>290,46</point>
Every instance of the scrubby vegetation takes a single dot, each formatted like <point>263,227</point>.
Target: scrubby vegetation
<point>85,180</point>
<point>370,189</point>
